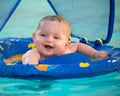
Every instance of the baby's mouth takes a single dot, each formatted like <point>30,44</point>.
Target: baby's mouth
<point>48,46</point>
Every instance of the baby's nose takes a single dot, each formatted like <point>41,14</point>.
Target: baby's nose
<point>49,39</point>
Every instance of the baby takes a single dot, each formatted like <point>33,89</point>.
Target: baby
<point>52,39</point>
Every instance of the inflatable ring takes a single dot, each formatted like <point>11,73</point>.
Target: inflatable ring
<point>74,65</point>
<point>84,40</point>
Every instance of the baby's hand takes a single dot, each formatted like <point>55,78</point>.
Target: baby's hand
<point>100,55</point>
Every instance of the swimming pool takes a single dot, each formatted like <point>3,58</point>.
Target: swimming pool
<point>97,86</point>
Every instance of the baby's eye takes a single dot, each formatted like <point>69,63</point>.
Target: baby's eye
<point>42,35</point>
<point>56,37</point>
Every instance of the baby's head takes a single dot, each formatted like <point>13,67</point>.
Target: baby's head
<point>56,18</point>
<point>52,36</point>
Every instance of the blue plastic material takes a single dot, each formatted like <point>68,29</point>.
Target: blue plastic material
<point>82,15</point>
<point>7,7</point>
<point>87,17</point>
<point>74,65</point>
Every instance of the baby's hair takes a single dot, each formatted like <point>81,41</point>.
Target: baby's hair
<point>54,18</point>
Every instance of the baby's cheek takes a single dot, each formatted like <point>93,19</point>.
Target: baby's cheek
<point>62,49</point>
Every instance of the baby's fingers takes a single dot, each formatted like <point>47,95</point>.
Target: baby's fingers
<point>103,54</point>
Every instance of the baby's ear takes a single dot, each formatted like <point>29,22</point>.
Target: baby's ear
<point>68,43</point>
<point>33,36</point>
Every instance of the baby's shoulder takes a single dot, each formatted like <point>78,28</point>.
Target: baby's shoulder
<point>74,44</point>
<point>32,52</point>
<point>73,47</point>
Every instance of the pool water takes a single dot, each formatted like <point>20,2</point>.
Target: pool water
<point>106,85</point>
<point>97,86</point>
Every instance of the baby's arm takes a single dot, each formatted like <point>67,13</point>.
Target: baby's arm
<point>100,55</point>
<point>31,57</point>
<point>91,52</point>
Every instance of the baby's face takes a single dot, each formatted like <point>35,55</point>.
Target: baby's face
<point>51,39</point>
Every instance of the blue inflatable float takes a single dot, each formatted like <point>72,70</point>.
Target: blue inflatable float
<point>74,65</point>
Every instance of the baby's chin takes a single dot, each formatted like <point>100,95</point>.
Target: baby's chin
<point>49,54</point>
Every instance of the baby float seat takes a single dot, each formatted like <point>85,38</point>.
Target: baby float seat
<point>87,18</point>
